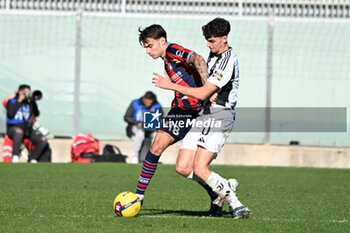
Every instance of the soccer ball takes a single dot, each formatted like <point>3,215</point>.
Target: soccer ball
<point>127,204</point>
<point>234,184</point>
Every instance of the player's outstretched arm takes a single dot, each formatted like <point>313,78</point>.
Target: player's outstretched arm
<point>201,93</point>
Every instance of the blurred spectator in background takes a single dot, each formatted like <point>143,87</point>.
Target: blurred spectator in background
<point>22,111</point>
<point>134,118</point>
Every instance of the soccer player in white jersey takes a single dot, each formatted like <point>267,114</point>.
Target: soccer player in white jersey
<point>206,141</point>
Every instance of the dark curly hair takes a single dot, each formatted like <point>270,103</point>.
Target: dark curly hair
<point>155,31</point>
<point>150,95</point>
<point>23,86</point>
<point>216,28</point>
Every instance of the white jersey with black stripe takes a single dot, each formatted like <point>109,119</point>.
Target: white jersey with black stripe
<point>224,73</point>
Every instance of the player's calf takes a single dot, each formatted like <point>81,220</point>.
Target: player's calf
<point>148,169</point>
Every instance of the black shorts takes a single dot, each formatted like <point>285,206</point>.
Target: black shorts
<point>175,123</point>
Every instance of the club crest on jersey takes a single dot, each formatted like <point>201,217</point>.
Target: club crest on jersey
<point>217,75</point>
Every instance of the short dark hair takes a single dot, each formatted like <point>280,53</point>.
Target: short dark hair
<point>155,31</point>
<point>23,86</point>
<point>150,95</point>
<point>216,28</point>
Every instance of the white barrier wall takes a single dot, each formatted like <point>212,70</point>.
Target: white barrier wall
<point>233,154</point>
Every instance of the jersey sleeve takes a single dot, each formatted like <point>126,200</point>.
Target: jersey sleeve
<point>4,103</point>
<point>175,51</point>
<point>12,107</point>
<point>222,74</point>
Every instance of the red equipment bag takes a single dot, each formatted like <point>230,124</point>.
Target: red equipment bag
<point>84,144</point>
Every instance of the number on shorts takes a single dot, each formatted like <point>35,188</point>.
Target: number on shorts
<point>175,129</point>
<point>205,131</point>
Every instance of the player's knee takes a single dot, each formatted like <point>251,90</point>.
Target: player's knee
<point>19,132</point>
<point>44,140</point>
<point>159,145</point>
<point>183,170</point>
<point>157,148</point>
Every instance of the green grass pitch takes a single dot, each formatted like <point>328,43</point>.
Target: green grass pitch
<point>79,198</point>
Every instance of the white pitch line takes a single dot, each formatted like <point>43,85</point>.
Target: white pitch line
<point>264,219</point>
<point>177,216</point>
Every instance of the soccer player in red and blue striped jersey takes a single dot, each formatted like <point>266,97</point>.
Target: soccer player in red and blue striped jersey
<point>186,68</point>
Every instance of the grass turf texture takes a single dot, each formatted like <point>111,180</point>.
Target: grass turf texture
<point>79,198</point>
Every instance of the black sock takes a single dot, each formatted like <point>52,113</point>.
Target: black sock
<point>210,192</point>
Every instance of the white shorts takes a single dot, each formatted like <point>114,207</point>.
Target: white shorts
<point>211,138</point>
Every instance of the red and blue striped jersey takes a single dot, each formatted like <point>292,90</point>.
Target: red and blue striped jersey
<point>183,74</point>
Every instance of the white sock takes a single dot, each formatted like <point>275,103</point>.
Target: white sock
<point>221,187</point>
<point>134,160</point>
<point>190,176</point>
<point>140,196</point>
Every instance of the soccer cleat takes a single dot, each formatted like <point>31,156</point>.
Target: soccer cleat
<point>241,212</point>
<point>15,159</point>
<point>233,184</point>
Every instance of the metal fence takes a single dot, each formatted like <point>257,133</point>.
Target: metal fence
<point>280,8</point>
<point>303,43</point>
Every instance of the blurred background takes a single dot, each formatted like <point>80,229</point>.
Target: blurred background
<point>86,59</point>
